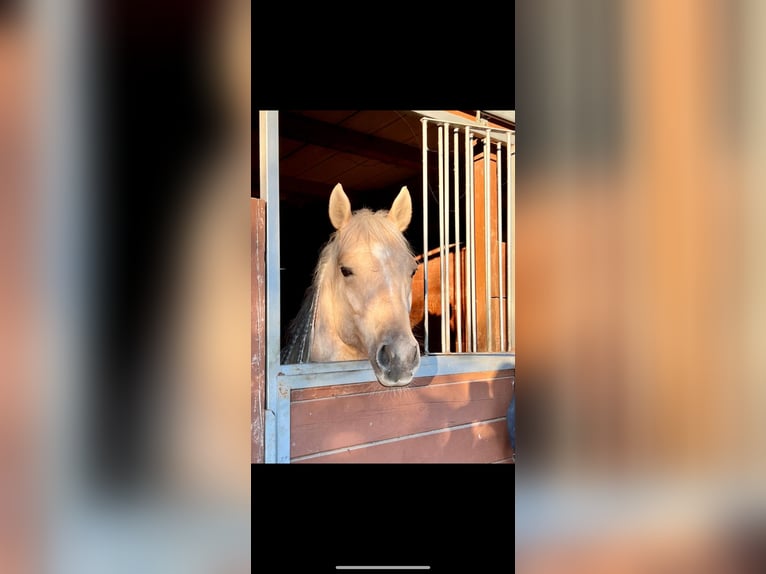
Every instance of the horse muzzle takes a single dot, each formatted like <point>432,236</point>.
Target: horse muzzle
<point>396,361</point>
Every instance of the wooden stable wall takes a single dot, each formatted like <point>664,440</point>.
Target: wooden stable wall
<point>257,326</point>
<point>449,418</point>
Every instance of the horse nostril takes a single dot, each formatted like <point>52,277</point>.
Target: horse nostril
<point>384,356</point>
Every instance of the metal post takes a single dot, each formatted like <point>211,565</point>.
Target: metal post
<point>470,238</point>
<point>442,299</point>
<point>508,231</point>
<point>277,447</point>
<point>511,247</point>
<point>424,123</point>
<point>458,278</point>
<point>446,345</point>
<point>500,308</point>
<point>487,250</point>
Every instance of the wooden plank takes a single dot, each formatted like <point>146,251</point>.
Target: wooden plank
<point>463,114</point>
<point>481,443</point>
<point>483,338</point>
<point>338,422</point>
<point>257,327</point>
<point>374,386</point>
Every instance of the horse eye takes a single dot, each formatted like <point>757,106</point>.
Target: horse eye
<point>346,271</point>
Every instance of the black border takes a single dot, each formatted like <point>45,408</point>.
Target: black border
<point>392,57</point>
<point>452,517</point>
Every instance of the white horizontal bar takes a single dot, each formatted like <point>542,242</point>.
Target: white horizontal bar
<point>509,116</point>
<point>497,134</point>
<point>382,567</point>
<point>311,375</point>
<point>396,439</point>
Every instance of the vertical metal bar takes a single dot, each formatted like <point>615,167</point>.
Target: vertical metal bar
<point>508,226</point>
<point>447,348</point>
<point>467,141</point>
<point>458,278</point>
<point>487,249</point>
<point>268,126</point>
<point>424,123</point>
<point>470,238</point>
<point>65,180</point>
<point>474,331</point>
<point>283,422</point>
<point>508,301</point>
<point>512,241</point>
<point>500,307</point>
<point>440,147</point>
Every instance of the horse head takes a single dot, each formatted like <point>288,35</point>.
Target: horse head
<point>367,284</point>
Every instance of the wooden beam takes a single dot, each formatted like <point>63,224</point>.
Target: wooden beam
<point>303,129</point>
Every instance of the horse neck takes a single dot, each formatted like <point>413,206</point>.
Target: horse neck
<point>327,344</point>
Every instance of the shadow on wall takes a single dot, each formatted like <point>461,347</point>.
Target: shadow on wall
<point>492,440</point>
<point>452,419</point>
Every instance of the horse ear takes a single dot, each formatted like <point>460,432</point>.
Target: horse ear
<point>340,207</point>
<point>401,210</point>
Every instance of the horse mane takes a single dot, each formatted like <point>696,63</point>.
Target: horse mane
<point>301,330</point>
<point>364,226</point>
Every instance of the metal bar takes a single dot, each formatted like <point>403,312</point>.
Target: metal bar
<point>447,348</point>
<point>312,375</point>
<point>512,242</point>
<point>268,125</point>
<point>500,310</point>
<point>508,226</point>
<point>283,422</point>
<point>424,123</point>
<point>467,188</point>
<point>474,332</point>
<point>458,278</point>
<point>442,298</point>
<point>470,270</point>
<point>442,116</point>
<point>487,249</point>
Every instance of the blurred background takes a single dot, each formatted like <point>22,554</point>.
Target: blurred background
<point>125,286</point>
<point>641,311</point>
<point>641,294</point>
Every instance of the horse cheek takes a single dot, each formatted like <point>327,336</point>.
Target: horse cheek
<point>356,311</point>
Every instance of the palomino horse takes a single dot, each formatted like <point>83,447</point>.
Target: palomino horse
<point>358,305</point>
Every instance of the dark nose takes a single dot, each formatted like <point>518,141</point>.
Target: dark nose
<point>384,356</point>
<point>398,358</point>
